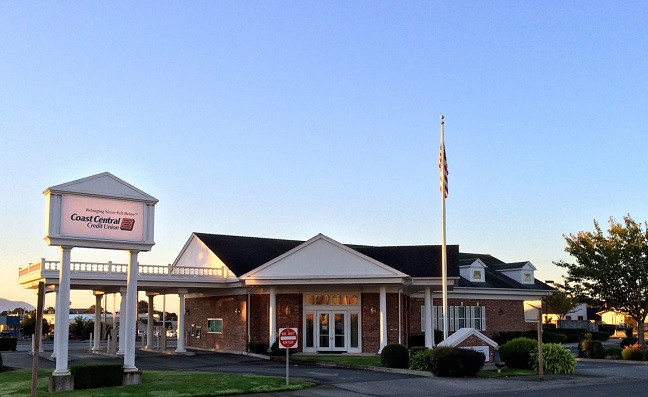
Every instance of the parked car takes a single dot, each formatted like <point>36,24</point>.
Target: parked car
<point>5,334</point>
<point>140,334</point>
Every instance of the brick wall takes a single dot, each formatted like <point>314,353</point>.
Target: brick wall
<point>510,318</point>
<point>370,323</point>
<point>476,341</point>
<point>234,335</point>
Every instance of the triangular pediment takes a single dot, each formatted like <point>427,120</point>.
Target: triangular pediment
<point>322,258</point>
<point>104,185</point>
<point>195,254</point>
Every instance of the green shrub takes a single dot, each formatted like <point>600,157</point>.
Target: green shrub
<point>552,337</point>
<point>414,350</point>
<point>601,336</point>
<point>455,361</point>
<point>91,376</point>
<point>609,328</point>
<point>394,355</point>
<point>7,344</point>
<point>420,361</point>
<point>556,359</point>
<point>614,353</point>
<point>625,342</point>
<point>258,347</point>
<point>591,349</point>
<point>632,353</point>
<point>516,353</point>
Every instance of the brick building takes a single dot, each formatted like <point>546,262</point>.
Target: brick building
<point>346,298</point>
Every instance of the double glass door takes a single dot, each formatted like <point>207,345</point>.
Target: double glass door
<point>331,331</point>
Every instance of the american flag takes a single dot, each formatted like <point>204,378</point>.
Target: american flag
<point>443,166</point>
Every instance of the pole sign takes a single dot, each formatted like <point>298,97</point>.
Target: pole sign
<point>288,338</point>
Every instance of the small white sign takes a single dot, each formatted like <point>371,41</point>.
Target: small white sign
<point>532,311</point>
<point>482,349</point>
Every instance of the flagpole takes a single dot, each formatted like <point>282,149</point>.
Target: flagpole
<point>444,259</point>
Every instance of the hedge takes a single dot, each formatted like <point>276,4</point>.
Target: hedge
<point>394,355</point>
<point>455,361</point>
<point>7,344</point>
<point>609,328</point>
<point>91,376</point>
<point>516,353</point>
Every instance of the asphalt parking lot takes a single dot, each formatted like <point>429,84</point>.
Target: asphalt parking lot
<point>334,381</point>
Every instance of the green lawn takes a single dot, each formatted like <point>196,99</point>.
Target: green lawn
<point>157,384</point>
<point>369,361</point>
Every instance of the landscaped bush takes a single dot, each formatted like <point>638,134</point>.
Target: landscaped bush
<point>625,342</point>
<point>414,350</point>
<point>633,353</point>
<point>258,347</point>
<point>394,355</point>
<point>614,353</point>
<point>556,359</point>
<point>420,360</point>
<point>573,334</point>
<point>591,349</point>
<point>516,353</point>
<point>609,328</point>
<point>506,336</point>
<point>7,344</point>
<point>551,337</point>
<point>455,361</point>
<point>551,327</point>
<point>602,336</point>
<point>91,376</point>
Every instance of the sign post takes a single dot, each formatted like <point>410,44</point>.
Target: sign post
<point>287,340</point>
<point>533,314</point>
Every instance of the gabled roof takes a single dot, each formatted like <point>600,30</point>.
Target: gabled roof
<point>244,254</point>
<point>105,185</point>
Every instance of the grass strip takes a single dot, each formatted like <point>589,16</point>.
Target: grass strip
<point>158,384</point>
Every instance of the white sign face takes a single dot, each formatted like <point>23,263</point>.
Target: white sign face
<point>532,311</point>
<point>99,218</point>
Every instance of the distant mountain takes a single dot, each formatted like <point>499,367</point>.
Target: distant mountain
<point>6,304</point>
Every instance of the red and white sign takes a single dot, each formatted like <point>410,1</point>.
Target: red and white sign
<point>287,338</point>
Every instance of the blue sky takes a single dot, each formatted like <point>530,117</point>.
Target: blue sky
<point>288,119</point>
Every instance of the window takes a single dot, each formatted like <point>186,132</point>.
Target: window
<point>214,325</point>
<point>527,276</point>
<point>460,317</point>
<point>477,275</point>
<point>477,317</point>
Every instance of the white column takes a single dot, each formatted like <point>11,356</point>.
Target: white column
<point>428,326</point>
<point>383,317</point>
<point>149,323</point>
<point>113,332</point>
<point>56,321</point>
<point>272,317</point>
<point>181,323</point>
<point>131,312</point>
<point>63,314</point>
<point>122,326</point>
<point>97,324</point>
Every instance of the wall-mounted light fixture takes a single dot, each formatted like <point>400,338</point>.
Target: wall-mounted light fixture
<point>186,312</point>
<point>237,310</point>
<point>372,310</point>
<point>501,311</point>
<point>287,310</point>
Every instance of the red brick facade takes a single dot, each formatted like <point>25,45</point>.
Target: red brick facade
<point>501,315</point>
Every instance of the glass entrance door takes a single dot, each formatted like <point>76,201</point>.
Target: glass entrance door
<point>332,331</point>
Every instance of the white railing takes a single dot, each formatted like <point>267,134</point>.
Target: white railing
<point>120,268</point>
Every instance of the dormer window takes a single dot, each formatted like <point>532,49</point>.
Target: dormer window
<point>527,277</point>
<point>477,275</point>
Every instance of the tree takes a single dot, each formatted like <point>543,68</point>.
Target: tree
<point>611,270</point>
<point>561,303</point>
<point>28,324</point>
<point>142,306</point>
<point>81,327</point>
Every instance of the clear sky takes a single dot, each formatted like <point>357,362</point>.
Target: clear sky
<point>287,119</point>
